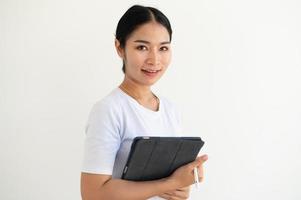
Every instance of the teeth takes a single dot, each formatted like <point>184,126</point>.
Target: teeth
<point>151,71</point>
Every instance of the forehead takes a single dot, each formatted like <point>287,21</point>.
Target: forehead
<point>152,32</point>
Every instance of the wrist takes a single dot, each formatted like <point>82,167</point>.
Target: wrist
<point>171,183</point>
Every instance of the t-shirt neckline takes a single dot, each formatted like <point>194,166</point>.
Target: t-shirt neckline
<point>139,105</point>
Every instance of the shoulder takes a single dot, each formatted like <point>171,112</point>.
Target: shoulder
<point>111,101</point>
<point>110,105</point>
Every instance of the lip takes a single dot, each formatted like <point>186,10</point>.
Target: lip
<point>151,74</point>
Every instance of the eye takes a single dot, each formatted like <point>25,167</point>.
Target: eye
<point>164,48</point>
<point>141,47</point>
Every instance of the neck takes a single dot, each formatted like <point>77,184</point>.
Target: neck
<point>139,92</point>
<point>142,94</point>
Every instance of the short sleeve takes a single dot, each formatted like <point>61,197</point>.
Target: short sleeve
<point>102,139</point>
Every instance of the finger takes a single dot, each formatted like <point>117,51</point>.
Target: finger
<point>179,194</point>
<point>199,161</point>
<point>201,173</point>
<point>165,196</point>
<point>184,189</point>
<point>204,157</point>
<point>175,198</point>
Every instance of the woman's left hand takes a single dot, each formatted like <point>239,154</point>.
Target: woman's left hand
<point>178,194</point>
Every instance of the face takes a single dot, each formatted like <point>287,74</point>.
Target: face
<point>147,53</point>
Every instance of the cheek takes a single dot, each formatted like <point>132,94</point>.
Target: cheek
<point>134,59</point>
<point>166,59</point>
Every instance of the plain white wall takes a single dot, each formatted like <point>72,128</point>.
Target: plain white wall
<point>235,74</point>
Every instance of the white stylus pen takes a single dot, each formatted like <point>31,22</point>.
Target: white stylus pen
<point>196,177</point>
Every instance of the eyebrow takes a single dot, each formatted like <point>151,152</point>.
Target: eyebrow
<point>147,42</point>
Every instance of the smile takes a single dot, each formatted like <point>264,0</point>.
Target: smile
<point>150,72</point>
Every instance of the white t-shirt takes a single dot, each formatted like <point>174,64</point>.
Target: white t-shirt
<point>113,124</point>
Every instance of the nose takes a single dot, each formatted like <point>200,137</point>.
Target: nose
<point>153,57</point>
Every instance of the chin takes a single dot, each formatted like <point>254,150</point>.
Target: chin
<point>149,82</point>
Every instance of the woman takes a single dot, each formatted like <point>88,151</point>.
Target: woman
<point>143,37</point>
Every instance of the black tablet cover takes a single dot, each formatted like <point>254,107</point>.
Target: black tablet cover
<point>154,158</point>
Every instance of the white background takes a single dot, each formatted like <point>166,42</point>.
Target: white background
<point>235,74</point>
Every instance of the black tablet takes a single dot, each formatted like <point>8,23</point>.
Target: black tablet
<point>154,158</point>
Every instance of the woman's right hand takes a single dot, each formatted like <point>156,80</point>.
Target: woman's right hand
<point>184,176</point>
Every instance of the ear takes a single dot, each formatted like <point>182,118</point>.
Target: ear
<point>119,49</point>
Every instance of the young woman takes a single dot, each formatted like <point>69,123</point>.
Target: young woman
<point>143,38</point>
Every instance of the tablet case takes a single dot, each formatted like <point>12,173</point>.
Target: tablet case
<point>154,158</point>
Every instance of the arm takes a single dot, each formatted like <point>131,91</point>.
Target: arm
<point>183,193</point>
<point>179,194</point>
<point>97,187</point>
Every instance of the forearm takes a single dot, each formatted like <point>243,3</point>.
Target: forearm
<point>118,189</point>
<point>130,190</point>
<point>98,187</point>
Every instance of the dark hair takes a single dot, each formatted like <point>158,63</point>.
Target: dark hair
<point>136,16</point>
